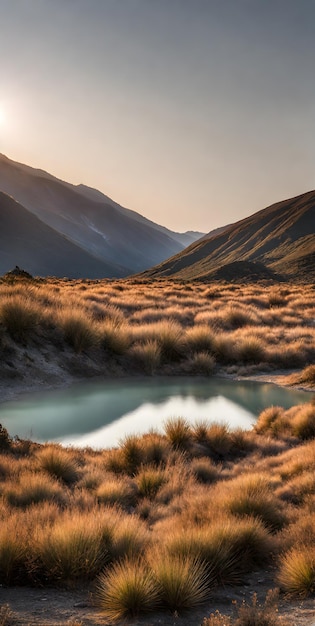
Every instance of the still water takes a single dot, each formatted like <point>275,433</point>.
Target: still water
<point>100,414</point>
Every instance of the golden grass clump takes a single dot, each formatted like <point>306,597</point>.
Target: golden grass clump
<point>297,571</point>
<point>250,495</point>
<point>32,488</point>
<point>59,464</point>
<point>19,316</point>
<point>182,581</point>
<point>117,491</point>
<point>79,331</point>
<point>127,590</point>
<point>178,432</point>
<point>75,547</point>
<point>147,355</point>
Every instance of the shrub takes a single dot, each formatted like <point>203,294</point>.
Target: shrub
<point>115,338</point>
<point>79,331</point>
<point>251,350</point>
<point>271,420</point>
<point>131,453</point>
<point>127,590</point>
<point>228,548</point>
<point>19,316</point>
<point>33,488</point>
<point>147,355</point>
<point>202,363</point>
<point>149,481</point>
<point>74,548</point>
<point>130,538</point>
<point>12,550</point>
<point>297,571</point>
<point>254,614</point>
<point>178,432</point>
<point>117,491</point>
<point>58,464</point>
<point>5,440</point>
<point>250,496</point>
<point>204,470</point>
<point>182,581</point>
<point>200,338</point>
<point>304,422</point>
<point>219,439</point>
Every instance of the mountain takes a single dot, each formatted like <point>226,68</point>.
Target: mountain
<point>28,242</point>
<point>280,238</point>
<point>121,239</point>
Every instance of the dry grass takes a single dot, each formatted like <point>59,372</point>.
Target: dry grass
<point>162,326</point>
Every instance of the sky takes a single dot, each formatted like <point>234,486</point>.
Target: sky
<point>195,113</point>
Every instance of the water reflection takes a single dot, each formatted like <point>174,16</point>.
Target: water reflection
<point>99,414</point>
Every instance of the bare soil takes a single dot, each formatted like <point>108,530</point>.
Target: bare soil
<point>57,607</point>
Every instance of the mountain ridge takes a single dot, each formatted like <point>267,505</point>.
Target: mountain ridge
<point>279,236</point>
<point>112,234</point>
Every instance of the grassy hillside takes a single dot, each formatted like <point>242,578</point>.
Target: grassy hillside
<point>281,237</point>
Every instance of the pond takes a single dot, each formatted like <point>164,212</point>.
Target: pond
<point>100,414</point>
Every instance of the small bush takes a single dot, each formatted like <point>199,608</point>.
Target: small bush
<point>183,582</point>
<point>127,590</point>
<point>74,548</point>
<point>116,339</point>
<point>297,571</point>
<point>119,491</point>
<point>251,350</point>
<point>270,421</point>
<point>202,363</point>
<point>303,425</point>
<point>147,355</point>
<point>19,316</point>
<point>200,338</point>
<point>204,470</point>
<point>130,538</point>
<point>149,481</point>
<point>79,331</point>
<point>59,464</point>
<point>250,496</point>
<point>178,432</point>
<point>12,551</point>
<point>33,488</point>
<point>5,440</point>
<point>132,454</point>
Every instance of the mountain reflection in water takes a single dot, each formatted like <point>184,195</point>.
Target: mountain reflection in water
<point>99,414</point>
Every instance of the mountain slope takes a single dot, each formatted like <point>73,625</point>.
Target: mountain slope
<point>89,219</point>
<point>31,244</point>
<point>282,237</point>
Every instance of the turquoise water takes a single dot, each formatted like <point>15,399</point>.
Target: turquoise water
<point>100,414</point>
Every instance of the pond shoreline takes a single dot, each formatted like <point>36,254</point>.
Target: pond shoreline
<point>10,390</point>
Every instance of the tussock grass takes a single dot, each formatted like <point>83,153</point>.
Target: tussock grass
<point>19,316</point>
<point>149,480</point>
<point>297,571</point>
<point>78,329</point>
<point>182,581</point>
<point>201,363</point>
<point>147,355</point>
<point>59,464</point>
<point>178,432</point>
<point>33,488</point>
<point>74,548</point>
<point>117,491</point>
<point>250,495</point>
<point>127,590</point>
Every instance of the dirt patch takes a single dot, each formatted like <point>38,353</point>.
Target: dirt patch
<point>57,607</point>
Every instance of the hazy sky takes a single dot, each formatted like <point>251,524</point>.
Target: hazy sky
<point>195,113</point>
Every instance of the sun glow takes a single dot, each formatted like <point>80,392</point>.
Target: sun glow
<point>3,117</point>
